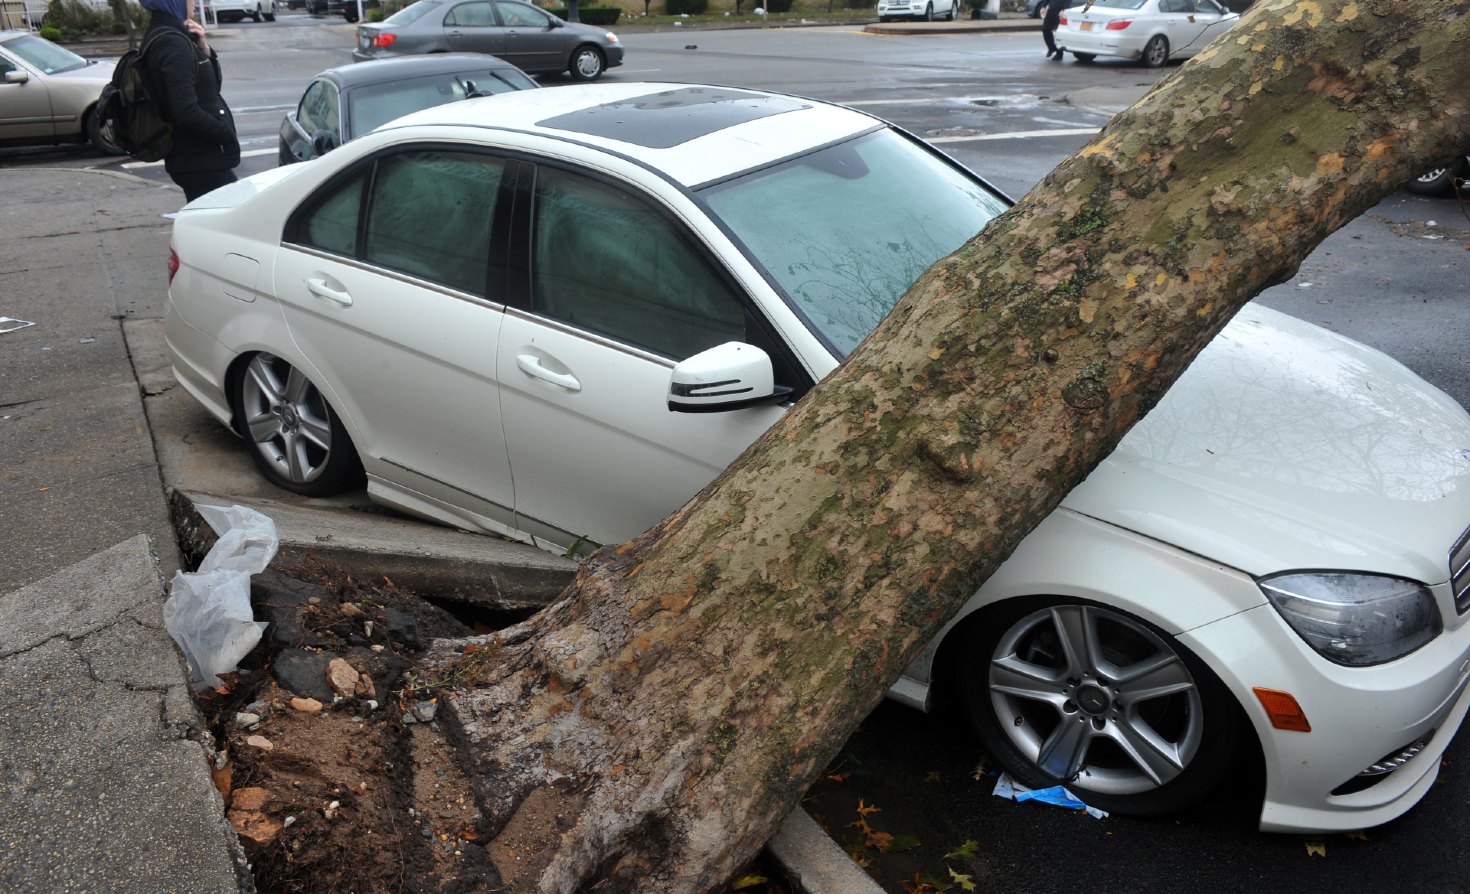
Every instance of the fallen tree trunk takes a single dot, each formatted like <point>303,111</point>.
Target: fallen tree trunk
<point>651,729</point>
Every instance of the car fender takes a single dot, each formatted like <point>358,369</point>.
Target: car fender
<point>1073,555</point>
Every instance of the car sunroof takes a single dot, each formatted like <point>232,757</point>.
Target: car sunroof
<point>668,118</point>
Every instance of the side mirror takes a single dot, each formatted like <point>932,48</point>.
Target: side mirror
<point>556,23</point>
<point>322,143</point>
<point>728,377</point>
<point>17,76</point>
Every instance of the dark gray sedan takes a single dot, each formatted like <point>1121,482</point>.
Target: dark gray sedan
<point>531,39</point>
<point>348,101</point>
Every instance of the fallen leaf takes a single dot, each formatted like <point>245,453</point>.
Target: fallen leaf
<point>865,809</point>
<point>749,881</point>
<point>838,777</point>
<point>964,881</point>
<point>969,849</point>
<point>1359,835</point>
<point>897,844</point>
<point>1316,848</point>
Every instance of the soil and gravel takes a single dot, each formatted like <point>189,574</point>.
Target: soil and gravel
<point>336,770</point>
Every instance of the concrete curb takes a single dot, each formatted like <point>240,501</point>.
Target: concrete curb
<point>814,861</point>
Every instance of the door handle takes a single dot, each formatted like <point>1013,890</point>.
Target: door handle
<point>531,366</point>
<point>319,288</point>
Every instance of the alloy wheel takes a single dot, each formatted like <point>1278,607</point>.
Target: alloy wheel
<point>1094,698</point>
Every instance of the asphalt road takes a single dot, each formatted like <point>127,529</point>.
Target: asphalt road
<point>1394,278</point>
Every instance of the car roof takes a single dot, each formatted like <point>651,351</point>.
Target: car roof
<point>378,70</point>
<point>694,133</point>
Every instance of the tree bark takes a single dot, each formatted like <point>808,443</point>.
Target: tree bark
<point>653,727</point>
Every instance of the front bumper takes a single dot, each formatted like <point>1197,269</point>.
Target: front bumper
<point>1358,717</point>
<point>916,8</point>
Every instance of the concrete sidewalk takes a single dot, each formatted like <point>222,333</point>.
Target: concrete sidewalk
<point>103,754</point>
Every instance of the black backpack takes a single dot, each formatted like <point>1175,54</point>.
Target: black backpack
<point>128,113</point>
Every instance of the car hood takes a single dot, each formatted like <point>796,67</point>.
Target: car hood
<point>1285,446</point>
<point>92,77</point>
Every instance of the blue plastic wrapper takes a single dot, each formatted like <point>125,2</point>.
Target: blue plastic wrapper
<point>1008,788</point>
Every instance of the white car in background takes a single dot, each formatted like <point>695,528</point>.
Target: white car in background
<point>1151,31</point>
<point>928,10</point>
<point>239,10</point>
<point>557,314</point>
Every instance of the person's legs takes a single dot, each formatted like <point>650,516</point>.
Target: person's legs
<point>1051,44</point>
<point>197,183</point>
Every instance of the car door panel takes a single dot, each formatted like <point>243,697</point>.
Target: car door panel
<point>531,42</point>
<point>25,108</point>
<point>599,455</point>
<point>617,291</point>
<point>387,312</point>
<point>472,28</point>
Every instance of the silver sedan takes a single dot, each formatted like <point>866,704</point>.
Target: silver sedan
<point>48,94</point>
<point>531,39</point>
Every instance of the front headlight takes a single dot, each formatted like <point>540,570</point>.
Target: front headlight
<point>1355,619</point>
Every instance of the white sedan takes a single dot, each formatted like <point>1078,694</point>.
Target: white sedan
<point>1153,31</point>
<point>510,315</point>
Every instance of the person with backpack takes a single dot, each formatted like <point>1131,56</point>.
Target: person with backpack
<point>183,75</point>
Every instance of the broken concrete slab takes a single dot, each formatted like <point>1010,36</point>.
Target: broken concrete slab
<point>102,752</point>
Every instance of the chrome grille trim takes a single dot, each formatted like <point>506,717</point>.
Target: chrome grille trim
<point>1460,572</point>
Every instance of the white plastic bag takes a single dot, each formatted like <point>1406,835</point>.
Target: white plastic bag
<point>208,611</point>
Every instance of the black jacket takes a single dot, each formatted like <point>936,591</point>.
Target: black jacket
<point>187,83</point>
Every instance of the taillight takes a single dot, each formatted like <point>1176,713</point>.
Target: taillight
<point>173,264</point>
<point>1062,20</point>
<point>1119,24</point>
<point>384,39</point>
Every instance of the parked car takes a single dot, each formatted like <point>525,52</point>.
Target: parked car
<point>48,94</point>
<point>238,10</point>
<point>347,9</point>
<point>501,312</point>
<point>345,102</point>
<point>1438,181</point>
<point>531,39</point>
<point>928,10</point>
<point>1152,31</point>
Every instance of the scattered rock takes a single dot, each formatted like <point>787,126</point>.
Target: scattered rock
<point>304,673</point>
<point>246,719</point>
<point>254,826</point>
<point>342,677</point>
<point>252,798</point>
<point>424,711</point>
<point>260,742</point>
<point>350,610</point>
<point>306,705</point>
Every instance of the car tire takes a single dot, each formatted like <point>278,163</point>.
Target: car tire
<point>257,15</point>
<point>1438,181</point>
<point>1156,51</point>
<point>954,11</point>
<point>99,136</point>
<point>1084,57</point>
<point>295,438</point>
<point>1048,686</point>
<point>586,63</point>
<point>929,13</point>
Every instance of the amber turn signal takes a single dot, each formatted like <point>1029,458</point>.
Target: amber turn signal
<point>1283,710</point>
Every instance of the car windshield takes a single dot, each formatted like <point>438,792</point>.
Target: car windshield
<point>847,229</point>
<point>411,13</point>
<point>373,104</point>
<point>45,55</point>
